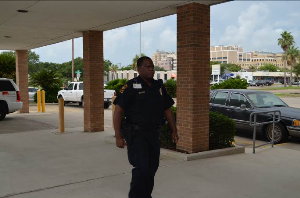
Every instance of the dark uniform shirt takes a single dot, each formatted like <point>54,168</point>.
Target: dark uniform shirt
<point>144,105</point>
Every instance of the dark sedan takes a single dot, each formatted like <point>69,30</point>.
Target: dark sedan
<point>238,104</point>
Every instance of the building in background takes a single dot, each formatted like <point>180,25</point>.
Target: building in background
<point>129,74</point>
<point>166,60</point>
<point>236,55</point>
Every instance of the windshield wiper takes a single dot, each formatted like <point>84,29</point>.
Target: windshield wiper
<point>279,105</point>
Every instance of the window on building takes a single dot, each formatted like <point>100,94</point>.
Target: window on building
<point>122,76</point>
<point>135,75</point>
<point>158,76</point>
<point>166,76</point>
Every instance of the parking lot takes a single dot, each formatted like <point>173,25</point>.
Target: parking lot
<point>34,121</point>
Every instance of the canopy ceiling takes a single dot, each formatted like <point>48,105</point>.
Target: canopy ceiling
<point>49,22</point>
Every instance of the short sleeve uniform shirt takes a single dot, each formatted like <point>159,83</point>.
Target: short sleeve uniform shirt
<point>144,105</point>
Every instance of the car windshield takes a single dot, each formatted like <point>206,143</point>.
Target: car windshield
<point>264,100</point>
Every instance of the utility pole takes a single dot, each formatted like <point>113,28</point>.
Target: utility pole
<point>140,39</point>
<point>72,60</point>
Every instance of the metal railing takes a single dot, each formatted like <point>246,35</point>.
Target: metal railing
<point>255,124</point>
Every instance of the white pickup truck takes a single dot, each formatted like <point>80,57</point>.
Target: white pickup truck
<point>74,93</point>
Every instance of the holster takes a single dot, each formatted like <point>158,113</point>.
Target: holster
<point>127,131</point>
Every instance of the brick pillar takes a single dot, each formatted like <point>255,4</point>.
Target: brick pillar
<point>193,74</point>
<point>93,88</point>
<point>22,78</point>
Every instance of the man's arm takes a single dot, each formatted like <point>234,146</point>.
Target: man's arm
<point>117,124</point>
<point>170,117</point>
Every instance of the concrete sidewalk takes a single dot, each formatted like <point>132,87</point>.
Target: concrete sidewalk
<point>44,164</point>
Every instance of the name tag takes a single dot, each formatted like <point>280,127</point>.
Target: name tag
<point>142,92</point>
<point>137,86</point>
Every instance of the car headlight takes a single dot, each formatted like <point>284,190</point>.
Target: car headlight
<point>296,122</point>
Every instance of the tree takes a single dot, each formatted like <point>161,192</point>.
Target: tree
<point>48,80</point>
<point>157,68</point>
<point>126,68</point>
<point>106,66</point>
<point>8,65</point>
<point>291,56</point>
<point>297,69</point>
<point>134,61</point>
<point>231,67</point>
<point>269,67</point>
<point>113,69</point>
<point>285,42</point>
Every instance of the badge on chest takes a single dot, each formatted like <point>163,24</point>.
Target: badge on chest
<point>137,86</point>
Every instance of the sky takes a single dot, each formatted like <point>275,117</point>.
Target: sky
<point>253,25</point>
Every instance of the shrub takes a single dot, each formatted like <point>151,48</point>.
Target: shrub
<point>231,83</point>
<point>166,136</point>
<point>48,80</point>
<point>171,87</point>
<point>221,132</point>
<point>116,84</point>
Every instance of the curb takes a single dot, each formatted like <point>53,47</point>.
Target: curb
<point>193,156</point>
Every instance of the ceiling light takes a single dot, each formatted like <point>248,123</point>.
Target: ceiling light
<point>23,11</point>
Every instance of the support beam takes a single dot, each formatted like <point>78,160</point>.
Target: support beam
<point>93,88</point>
<point>22,78</point>
<point>193,75</point>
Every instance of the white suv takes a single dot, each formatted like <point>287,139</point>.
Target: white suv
<point>10,100</point>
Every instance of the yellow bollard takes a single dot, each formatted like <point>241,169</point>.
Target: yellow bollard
<point>43,101</point>
<point>113,109</point>
<point>38,100</point>
<point>61,115</point>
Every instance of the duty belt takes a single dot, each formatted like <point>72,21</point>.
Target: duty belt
<point>144,128</point>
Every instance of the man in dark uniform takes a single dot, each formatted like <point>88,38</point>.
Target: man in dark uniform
<point>144,103</point>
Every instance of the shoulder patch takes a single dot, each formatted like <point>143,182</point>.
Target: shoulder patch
<point>123,88</point>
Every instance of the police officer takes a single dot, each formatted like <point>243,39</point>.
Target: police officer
<point>144,103</point>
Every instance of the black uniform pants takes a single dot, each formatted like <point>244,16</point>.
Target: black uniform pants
<point>143,155</point>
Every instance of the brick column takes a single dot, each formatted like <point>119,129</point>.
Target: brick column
<point>193,74</point>
<point>22,78</point>
<point>93,89</point>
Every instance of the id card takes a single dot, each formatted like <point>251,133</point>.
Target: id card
<point>137,86</point>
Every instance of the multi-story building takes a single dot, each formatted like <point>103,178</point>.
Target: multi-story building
<point>235,54</point>
<point>166,60</point>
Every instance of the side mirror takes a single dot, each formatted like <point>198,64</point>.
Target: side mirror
<point>243,106</point>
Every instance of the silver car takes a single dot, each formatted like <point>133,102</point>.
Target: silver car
<point>31,92</point>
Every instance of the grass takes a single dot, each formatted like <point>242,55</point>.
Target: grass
<point>280,88</point>
<point>287,95</point>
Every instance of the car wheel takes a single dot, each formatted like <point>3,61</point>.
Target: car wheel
<point>280,133</point>
<point>2,113</point>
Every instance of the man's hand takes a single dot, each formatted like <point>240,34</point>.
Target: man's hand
<point>175,137</point>
<point>120,142</point>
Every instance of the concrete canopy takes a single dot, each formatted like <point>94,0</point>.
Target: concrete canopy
<point>49,22</point>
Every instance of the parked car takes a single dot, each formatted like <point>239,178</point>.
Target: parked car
<point>10,100</point>
<point>74,93</point>
<point>268,82</point>
<point>257,83</point>
<point>217,81</point>
<point>296,83</point>
<point>31,92</point>
<point>239,104</point>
